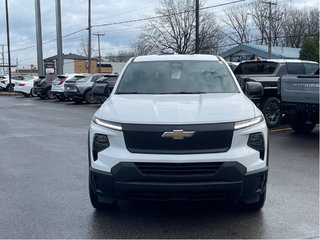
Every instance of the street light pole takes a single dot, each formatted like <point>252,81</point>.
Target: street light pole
<point>59,38</point>
<point>89,36</point>
<point>39,37</point>
<point>99,34</point>
<point>10,89</point>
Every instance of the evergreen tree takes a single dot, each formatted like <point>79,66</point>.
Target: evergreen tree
<point>310,49</point>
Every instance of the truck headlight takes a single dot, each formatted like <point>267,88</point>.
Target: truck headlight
<point>107,124</point>
<point>100,143</point>
<point>248,123</point>
<point>256,141</point>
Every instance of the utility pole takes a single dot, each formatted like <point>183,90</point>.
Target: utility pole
<point>270,28</point>
<point>10,89</point>
<point>99,34</point>
<point>17,65</point>
<point>89,36</point>
<point>197,26</point>
<point>2,56</point>
<point>39,37</point>
<point>59,38</point>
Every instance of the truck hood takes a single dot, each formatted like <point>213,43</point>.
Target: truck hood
<point>177,109</point>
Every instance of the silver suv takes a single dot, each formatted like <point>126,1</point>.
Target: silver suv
<point>82,89</point>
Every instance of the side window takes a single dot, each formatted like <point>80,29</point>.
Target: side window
<point>95,78</point>
<point>282,70</point>
<point>310,67</point>
<point>295,68</point>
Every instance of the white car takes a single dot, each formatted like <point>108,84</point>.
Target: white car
<point>25,87</point>
<point>178,127</point>
<point>4,80</point>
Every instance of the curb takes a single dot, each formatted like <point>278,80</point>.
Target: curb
<point>9,94</point>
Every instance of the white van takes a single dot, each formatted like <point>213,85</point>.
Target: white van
<point>178,127</point>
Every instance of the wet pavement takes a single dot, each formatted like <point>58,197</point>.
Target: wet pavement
<point>44,190</point>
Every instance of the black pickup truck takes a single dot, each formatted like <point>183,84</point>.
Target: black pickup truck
<point>268,72</point>
<point>300,100</point>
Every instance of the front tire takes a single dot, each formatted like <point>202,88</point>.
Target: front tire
<point>301,125</point>
<point>271,109</point>
<point>89,97</point>
<point>33,93</point>
<point>49,94</point>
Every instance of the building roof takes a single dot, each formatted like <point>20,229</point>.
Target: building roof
<point>262,51</point>
<point>68,56</point>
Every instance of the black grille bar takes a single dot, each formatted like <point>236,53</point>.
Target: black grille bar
<point>178,169</point>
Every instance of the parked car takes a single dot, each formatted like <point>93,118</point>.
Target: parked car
<point>82,90</point>
<point>4,81</point>
<point>57,87</point>
<point>103,87</point>
<point>25,87</point>
<point>42,86</point>
<point>178,127</point>
<point>233,65</point>
<point>268,72</point>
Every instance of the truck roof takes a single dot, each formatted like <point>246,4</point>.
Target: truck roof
<point>172,57</point>
<point>279,61</point>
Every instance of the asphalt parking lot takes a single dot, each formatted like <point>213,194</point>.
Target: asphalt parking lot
<point>44,190</point>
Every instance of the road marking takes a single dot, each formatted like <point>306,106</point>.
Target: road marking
<point>280,129</point>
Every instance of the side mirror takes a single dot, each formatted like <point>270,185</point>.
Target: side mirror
<point>253,89</point>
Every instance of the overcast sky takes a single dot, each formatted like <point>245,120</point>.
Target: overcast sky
<point>75,17</point>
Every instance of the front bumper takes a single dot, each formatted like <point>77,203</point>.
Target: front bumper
<point>41,92</point>
<point>126,181</point>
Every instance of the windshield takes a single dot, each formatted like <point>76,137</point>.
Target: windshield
<point>256,68</point>
<point>176,77</point>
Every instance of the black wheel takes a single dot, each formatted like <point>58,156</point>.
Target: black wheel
<point>257,205</point>
<point>33,93</point>
<point>49,94</point>
<point>301,125</point>
<point>89,97</point>
<point>271,109</point>
<point>61,98</point>
<point>96,203</point>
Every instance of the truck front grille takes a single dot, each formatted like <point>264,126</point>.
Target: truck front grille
<point>207,138</point>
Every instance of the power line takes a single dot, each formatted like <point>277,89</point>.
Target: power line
<point>167,15</point>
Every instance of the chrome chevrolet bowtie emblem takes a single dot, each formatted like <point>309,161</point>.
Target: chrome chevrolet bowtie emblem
<point>178,134</point>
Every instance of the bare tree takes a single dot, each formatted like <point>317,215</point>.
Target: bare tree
<point>174,31</point>
<point>237,20</point>
<point>211,34</point>
<point>295,26</point>
<point>83,48</point>
<point>121,56</point>
<point>313,22</point>
<point>259,13</point>
<point>277,14</point>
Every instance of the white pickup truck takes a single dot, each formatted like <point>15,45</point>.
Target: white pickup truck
<point>178,127</point>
